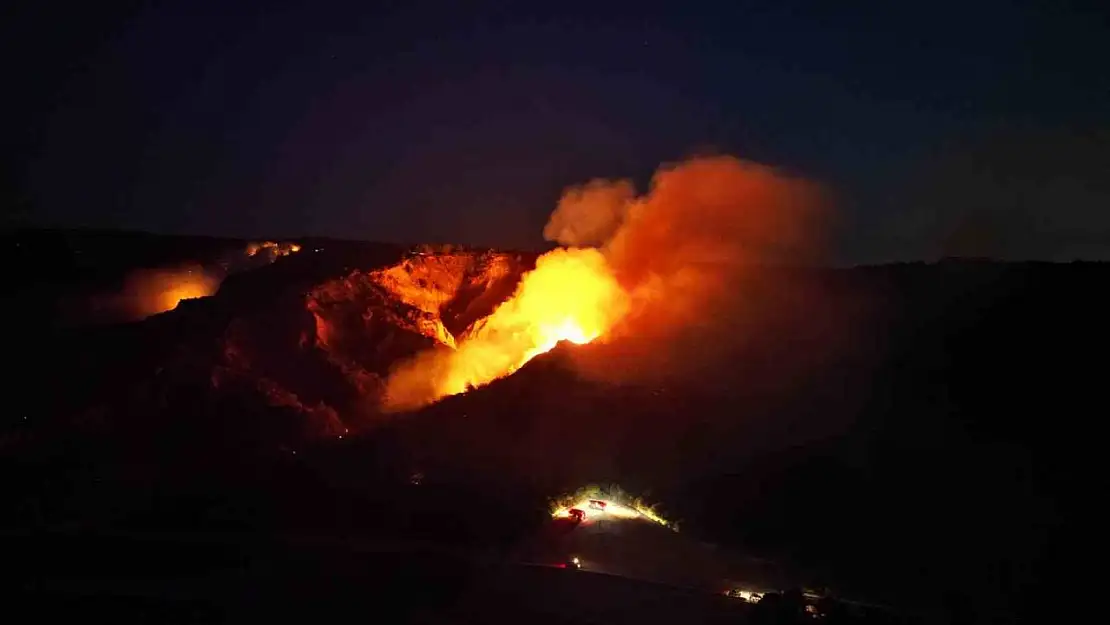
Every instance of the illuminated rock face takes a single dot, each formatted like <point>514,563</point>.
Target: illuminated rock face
<point>330,359</point>
<point>303,342</point>
<point>369,320</point>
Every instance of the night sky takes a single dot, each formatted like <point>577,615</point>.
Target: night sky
<point>975,128</point>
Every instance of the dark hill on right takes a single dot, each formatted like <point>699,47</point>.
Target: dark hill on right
<point>921,433</point>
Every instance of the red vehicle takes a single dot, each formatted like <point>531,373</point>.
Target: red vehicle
<point>577,515</point>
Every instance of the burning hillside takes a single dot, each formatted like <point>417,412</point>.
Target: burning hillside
<point>569,296</point>
<point>335,336</point>
<point>148,292</point>
<point>632,267</point>
<point>642,278</point>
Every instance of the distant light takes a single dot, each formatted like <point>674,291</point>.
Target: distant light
<point>750,596</point>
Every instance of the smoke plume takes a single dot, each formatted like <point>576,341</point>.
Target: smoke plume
<point>588,215</point>
<point>646,282</point>
<point>691,253</point>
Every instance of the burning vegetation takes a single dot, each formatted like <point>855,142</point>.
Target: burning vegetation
<point>629,268</point>
<point>271,249</point>
<point>569,296</point>
<point>652,283</point>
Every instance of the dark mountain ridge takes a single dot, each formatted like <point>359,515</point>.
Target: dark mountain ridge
<point>905,430</point>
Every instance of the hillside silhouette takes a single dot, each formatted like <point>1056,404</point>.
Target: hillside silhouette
<point>912,434</point>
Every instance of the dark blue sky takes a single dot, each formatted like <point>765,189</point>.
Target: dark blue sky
<point>973,127</point>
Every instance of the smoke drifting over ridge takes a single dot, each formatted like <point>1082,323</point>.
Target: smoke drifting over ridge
<point>650,275</point>
<point>706,212</point>
<point>690,253</point>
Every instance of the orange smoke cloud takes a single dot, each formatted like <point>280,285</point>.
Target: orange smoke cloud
<point>690,253</point>
<point>590,214</point>
<point>645,274</point>
<point>148,292</point>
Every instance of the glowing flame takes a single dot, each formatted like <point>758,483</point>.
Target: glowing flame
<point>272,248</point>
<point>571,295</point>
<point>191,284</point>
<point>685,247</point>
<point>612,510</point>
<point>149,292</point>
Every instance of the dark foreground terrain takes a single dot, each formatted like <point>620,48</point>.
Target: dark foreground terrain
<point>914,435</point>
<point>241,579</point>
